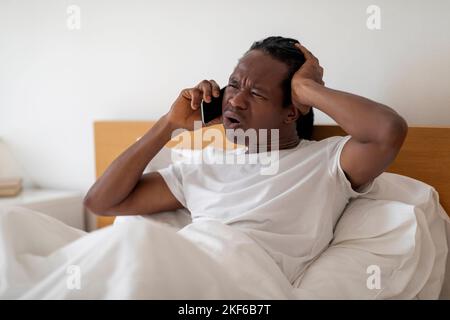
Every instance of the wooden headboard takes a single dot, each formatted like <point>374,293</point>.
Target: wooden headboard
<point>425,155</point>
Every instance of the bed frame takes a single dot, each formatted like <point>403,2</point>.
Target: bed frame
<point>425,155</point>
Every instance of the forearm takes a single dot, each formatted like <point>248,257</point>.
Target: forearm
<point>125,171</point>
<point>365,120</point>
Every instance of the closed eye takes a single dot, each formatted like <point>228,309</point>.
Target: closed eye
<point>256,94</point>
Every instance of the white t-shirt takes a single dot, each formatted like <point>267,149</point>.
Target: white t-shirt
<point>291,213</point>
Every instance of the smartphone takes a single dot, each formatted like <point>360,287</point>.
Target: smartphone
<point>213,109</point>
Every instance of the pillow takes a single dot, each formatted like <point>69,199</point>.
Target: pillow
<point>389,244</point>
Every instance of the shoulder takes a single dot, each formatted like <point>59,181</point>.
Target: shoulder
<point>329,145</point>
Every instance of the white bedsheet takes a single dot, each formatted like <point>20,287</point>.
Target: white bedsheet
<point>135,260</point>
<point>400,226</point>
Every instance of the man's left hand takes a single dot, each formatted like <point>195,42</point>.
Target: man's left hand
<point>309,71</point>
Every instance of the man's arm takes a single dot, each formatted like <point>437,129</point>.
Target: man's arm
<point>377,131</point>
<point>122,189</point>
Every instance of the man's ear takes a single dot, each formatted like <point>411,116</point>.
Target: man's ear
<point>292,114</point>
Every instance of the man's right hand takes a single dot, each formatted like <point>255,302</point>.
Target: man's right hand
<point>186,109</point>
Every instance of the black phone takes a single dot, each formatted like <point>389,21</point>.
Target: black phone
<point>213,109</point>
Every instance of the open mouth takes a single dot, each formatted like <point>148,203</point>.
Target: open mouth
<point>231,123</point>
<point>231,119</point>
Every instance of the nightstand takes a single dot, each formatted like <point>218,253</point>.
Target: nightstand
<point>66,206</point>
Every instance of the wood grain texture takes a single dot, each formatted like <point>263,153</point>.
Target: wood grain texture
<point>425,155</point>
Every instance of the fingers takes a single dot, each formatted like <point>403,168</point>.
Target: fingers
<point>205,88</point>
<point>315,63</point>
<point>215,88</point>
<point>209,88</point>
<point>308,55</point>
<point>203,91</point>
<point>305,51</point>
<point>321,74</point>
<point>196,96</point>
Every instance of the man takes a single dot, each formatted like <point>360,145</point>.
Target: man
<point>292,213</point>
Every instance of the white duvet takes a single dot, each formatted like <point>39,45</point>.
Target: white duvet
<point>391,243</point>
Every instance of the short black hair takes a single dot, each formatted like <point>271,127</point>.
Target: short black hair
<point>284,50</point>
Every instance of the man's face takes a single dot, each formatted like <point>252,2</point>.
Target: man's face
<point>254,93</point>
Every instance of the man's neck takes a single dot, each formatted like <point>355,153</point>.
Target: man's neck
<point>284,143</point>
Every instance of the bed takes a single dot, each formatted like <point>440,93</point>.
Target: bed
<point>390,243</point>
<point>425,157</point>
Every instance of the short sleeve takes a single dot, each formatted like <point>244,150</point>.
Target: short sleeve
<point>173,177</point>
<point>335,146</point>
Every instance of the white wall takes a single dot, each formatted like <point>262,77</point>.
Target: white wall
<point>131,58</point>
